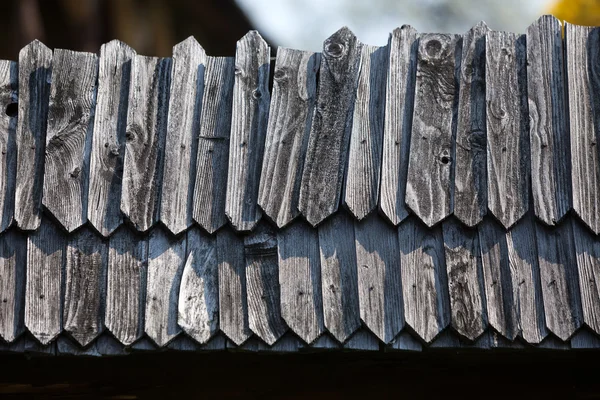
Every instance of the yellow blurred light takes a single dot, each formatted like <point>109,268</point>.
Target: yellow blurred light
<point>580,12</point>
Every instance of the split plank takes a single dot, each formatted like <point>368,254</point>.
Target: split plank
<point>13,264</point>
<point>9,85</point>
<point>587,248</point>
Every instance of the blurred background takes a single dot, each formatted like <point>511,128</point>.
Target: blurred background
<point>152,27</point>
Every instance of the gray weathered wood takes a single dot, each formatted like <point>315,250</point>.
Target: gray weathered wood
<point>405,341</point>
<point>325,343</point>
<point>550,157</point>
<point>339,277</point>
<point>126,285</point>
<point>507,127</point>
<point>327,150</point>
<point>424,280</point>
<point>248,129</point>
<point>300,280</point>
<point>108,138</point>
<point>587,248</point>
<point>290,119</point>
<point>584,339</point>
<point>13,263</point>
<point>9,85</point>
<point>68,140</point>
<point>379,282</point>
<point>470,180</point>
<point>187,87</point>
<point>145,140</point>
<point>35,62</point>
<point>199,291</point>
<point>362,340</point>
<point>287,344</point>
<point>66,346</point>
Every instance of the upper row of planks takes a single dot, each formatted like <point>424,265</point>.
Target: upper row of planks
<point>430,124</point>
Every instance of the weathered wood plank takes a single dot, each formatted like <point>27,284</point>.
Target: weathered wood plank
<point>213,143</point>
<point>68,140</point>
<point>290,119</point>
<point>300,280</point>
<point>362,340</point>
<point>508,154</point>
<point>585,339</point>
<point>327,150</point>
<point>424,280</point>
<point>470,181</point>
<point>46,250</point>
<point>339,276</point>
<point>13,264</point>
<point>199,291</point>
<point>379,282</point>
<point>187,87</point>
<point>9,85</point>
<point>248,129</point>
<point>405,341</point>
<point>431,166</point>
<point>35,62</point>
<point>108,139</point>
<point>145,140</point>
<point>550,157</point>
<point>126,285</point>
<point>65,345</point>
<point>587,248</point>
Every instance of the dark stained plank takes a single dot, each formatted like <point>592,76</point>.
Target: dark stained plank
<point>339,277</point>
<point>126,285</point>
<point>35,62</point>
<point>397,127</point>
<point>300,280</point>
<point>379,282</point>
<point>470,181</point>
<point>248,129</point>
<point>325,343</point>
<point>550,156</point>
<point>290,120</point>
<point>66,346</point>
<point>179,171</point>
<point>431,162</point>
<point>327,150</point>
<point>70,123</point>
<point>145,140</point>
<point>406,342</point>
<point>199,290</point>
<point>108,139</point>
<point>13,264</point>
<point>585,339</point>
<point>424,280</point>
<point>587,248</point>
<point>362,340</point>
<point>361,190</point>
<point>9,86</point>
<point>287,344</point>
<point>508,154</point>
<point>213,144</point>
<point>107,345</point>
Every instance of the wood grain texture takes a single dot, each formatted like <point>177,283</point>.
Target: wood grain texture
<point>248,129</point>
<point>300,280</point>
<point>587,248</point>
<point>508,154</point>
<point>13,264</point>
<point>326,156</point>
<point>379,282</point>
<point>288,130</point>
<point>199,291</point>
<point>68,140</point>
<point>424,280</point>
<point>470,181</point>
<point>187,87</point>
<point>108,139</point>
<point>9,86</point>
<point>126,285</point>
<point>431,162</point>
<point>550,156</point>
<point>46,252</point>
<point>145,140</point>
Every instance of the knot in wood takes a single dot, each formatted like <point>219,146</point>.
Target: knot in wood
<point>280,74</point>
<point>334,49</point>
<point>75,173</point>
<point>433,48</point>
<point>256,94</point>
<point>113,150</point>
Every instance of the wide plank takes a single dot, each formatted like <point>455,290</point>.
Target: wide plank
<point>587,248</point>
<point>13,264</point>
<point>9,86</point>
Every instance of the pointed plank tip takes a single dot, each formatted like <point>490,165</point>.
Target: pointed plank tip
<point>253,35</point>
<point>189,42</point>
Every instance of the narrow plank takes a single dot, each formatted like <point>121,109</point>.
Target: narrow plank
<point>430,167</point>
<point>362,340</point>
<point>248,129</point>
<point>213,144</point>
<point>287,344</point>
<point>584,339</point>
<point>325,343</point>
<point>508,154</point>
<point>107,345</point>
<point>339,276</point>
<point>13,264</point>
<point>199,291</point>
<point>300,280</point>
<point>552,343</point>
<point>68,140</point>
<point>9,86</point>
<point>145,140</point>
<point>550,157</point>
<point>327,150</point>
<point>288,130</point>
<point>406,342</point>
<point>587,248</point>
<point>179,172</point>
<point>379,282</point>
<point>470,181</point>
<point>126,285</point>
<point>361,190</point>
<point>108,139</point>
<point>46,251</point>
<point>424,280</point>
<point>66,346</point>
<point>166,257</point>
<point>397,127</point>
<point>85,286</point>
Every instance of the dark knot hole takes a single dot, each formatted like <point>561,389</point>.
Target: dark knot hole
<point>12,109</point>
